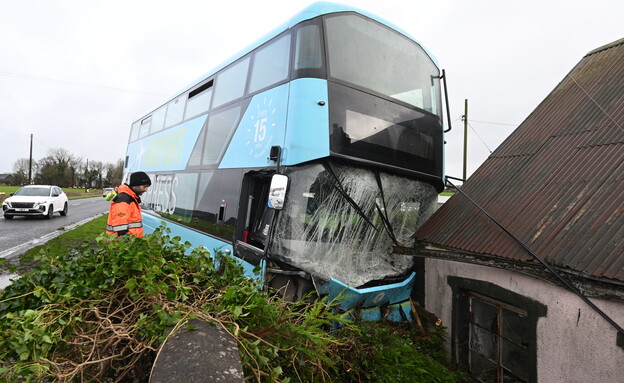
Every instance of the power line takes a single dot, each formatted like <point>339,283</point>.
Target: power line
<point>493,123</point>
<point>595,102</point>
<point>11,130</point>
<point>26,135</point>
<point>76,83</point>
<point>475,132</point>
<point>550,268</point>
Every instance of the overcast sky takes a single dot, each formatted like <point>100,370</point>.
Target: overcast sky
<point>75,74</point>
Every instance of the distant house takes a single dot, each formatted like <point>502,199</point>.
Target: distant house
<point>557,184</point>
<point>5,178</point>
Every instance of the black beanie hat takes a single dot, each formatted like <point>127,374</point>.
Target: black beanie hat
<point>140,178</point>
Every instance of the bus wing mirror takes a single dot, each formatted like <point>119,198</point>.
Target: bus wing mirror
<point>277,191</point>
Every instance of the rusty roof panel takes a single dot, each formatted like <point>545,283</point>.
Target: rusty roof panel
<point>557,182</point>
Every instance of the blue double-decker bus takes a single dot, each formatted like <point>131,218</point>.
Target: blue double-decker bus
<point>309,154</point>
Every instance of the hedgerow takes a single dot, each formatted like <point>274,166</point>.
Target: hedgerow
<point>99,313</point>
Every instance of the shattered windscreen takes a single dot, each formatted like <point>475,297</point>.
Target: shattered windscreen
<point>340,221</point>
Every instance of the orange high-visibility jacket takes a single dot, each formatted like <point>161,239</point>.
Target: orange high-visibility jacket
<point>125,213</point>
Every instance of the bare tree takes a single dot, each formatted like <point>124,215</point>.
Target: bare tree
<point>21,168</point>
<point>94,174</point>
<point>114,173</point>
<point>58,168</point>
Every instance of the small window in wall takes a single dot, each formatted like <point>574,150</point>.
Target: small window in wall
<point>145,126</point>
<point>134,131</point>
<point>270,64</point>
<point>494,332</point>
<point>175,111</point>
<point>497,349</point>
<point>199,100</point>
<point>308,50</point>
<point>158,120</point>
<point>230,84</point>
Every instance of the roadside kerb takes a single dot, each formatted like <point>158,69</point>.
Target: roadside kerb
<point>24,247</point>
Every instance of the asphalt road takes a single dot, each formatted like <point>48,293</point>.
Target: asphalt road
<point>22,233</point>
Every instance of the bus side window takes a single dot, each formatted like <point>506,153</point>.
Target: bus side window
<point>158,120</point>
<point>308,50</point>
<point>309,56</point>
<point>230,84</point>
<point>134,132</point>
<point>270,64</point>
<point>145,126</point>
<point>175,112</point>
<point>199,100</point>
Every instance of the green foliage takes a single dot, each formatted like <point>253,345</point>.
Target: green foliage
<point>116,300</point>
<point>73,239</point>
<point>395,353</point>
<point>99,312</point>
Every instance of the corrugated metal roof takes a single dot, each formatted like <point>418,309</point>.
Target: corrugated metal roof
<point>557,183</point>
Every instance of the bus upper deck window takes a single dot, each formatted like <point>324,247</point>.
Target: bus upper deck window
<point>158,120</point>
<point>175,112</point>
<point>372,56</point>
<point>308,49</point>
<point>230,84</point>
<point>134,132</point>
<point>270,64</point>
<point>145,126</point>
<point>199,100</point>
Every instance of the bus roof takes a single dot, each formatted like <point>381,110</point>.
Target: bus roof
<point>313,10</point>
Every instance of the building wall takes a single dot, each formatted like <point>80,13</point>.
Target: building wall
<point>574,343</point>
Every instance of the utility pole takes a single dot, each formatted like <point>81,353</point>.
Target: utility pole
<point>30,162</point>
<point>465,116</point>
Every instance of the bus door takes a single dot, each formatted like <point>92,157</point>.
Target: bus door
<point>255,217</point>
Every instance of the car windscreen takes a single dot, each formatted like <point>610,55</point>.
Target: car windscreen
<point>34,192</point>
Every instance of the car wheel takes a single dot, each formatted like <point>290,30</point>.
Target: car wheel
<point>8,216</point>
<point>50,211</point>
<point>64,212</point>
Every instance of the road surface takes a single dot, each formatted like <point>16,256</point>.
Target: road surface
<point>22,233</point>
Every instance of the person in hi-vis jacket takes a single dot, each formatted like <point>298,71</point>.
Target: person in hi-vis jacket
<point>125,209</point>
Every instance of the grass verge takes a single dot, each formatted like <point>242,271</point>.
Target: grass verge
<point>65,242</point>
